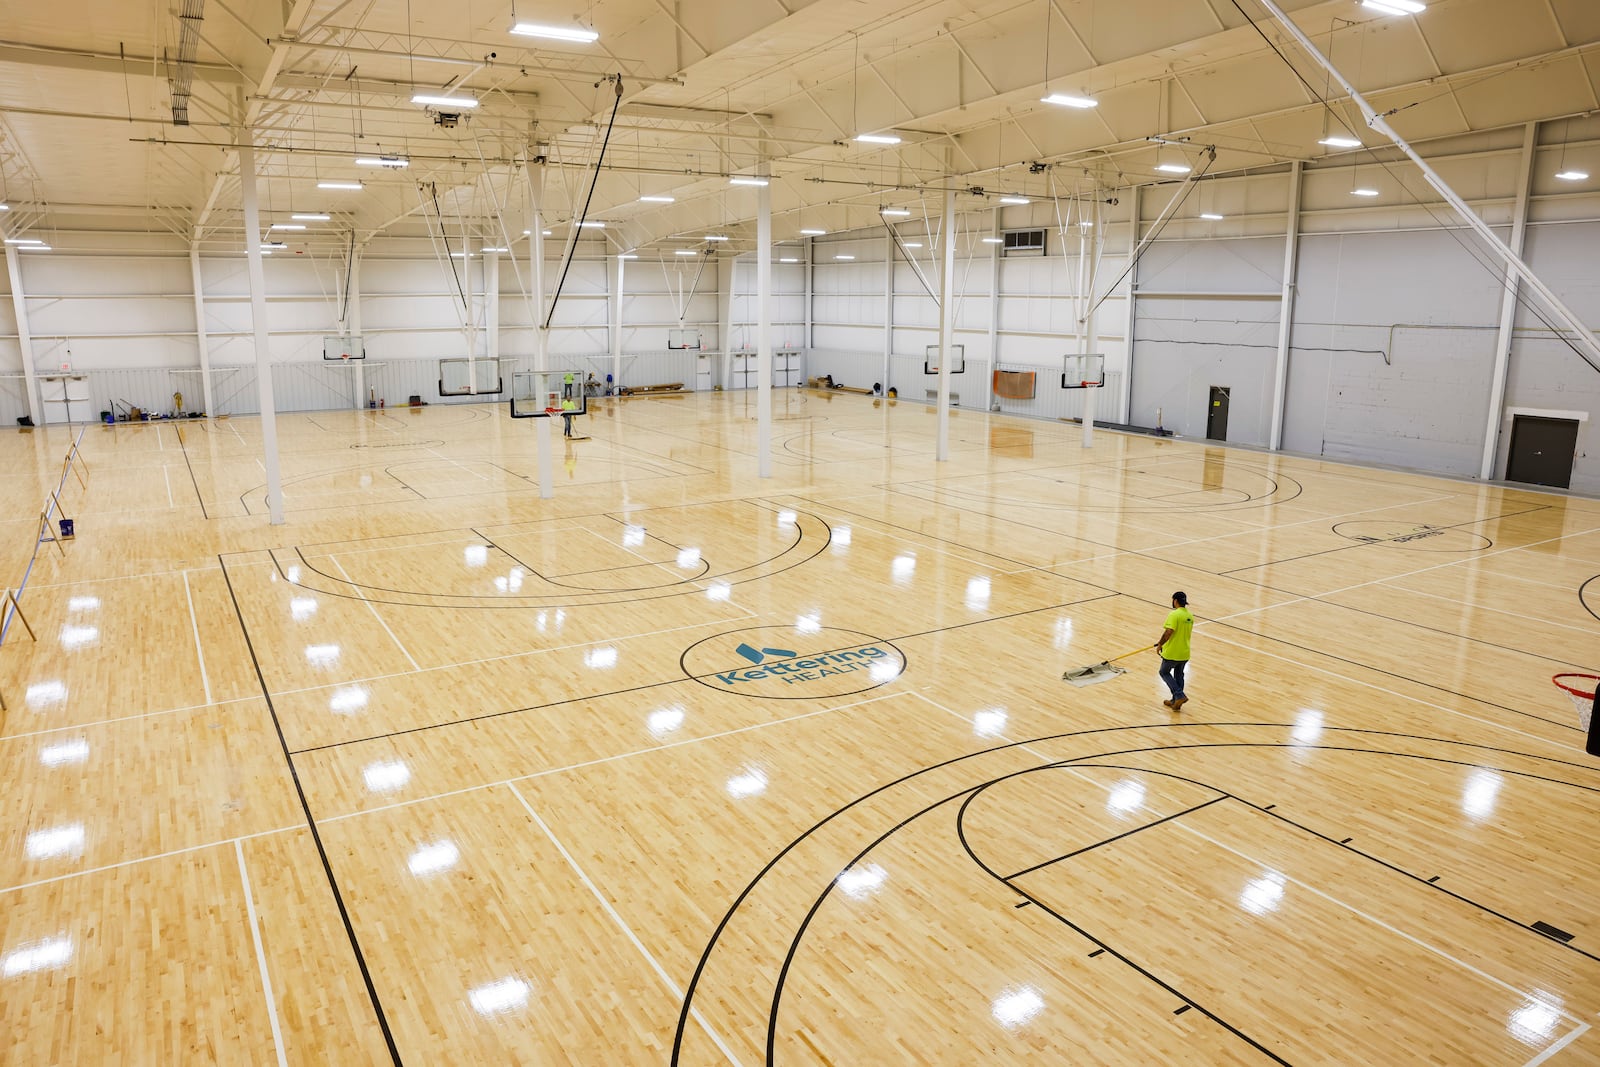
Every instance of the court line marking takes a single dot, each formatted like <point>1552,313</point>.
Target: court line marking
<point>666,980</point>
<point>1558,1046</point>
<point>125,718</point>
<point>1403,935</point>
<point>1486,608</point>
<point>1308,665</point>
<point>605,759</point>
<point>361,593</point>
<point>261,956</point>
<point>171,503</point>
<point>748,614</point>
<point>194,626</point>
<point>145,859</point>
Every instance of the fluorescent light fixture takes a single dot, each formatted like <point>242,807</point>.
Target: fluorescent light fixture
<point>575,34</point>
<point>913,244</point>
<point>747,181</point>
<point>1015,200</point>
<point>813,233</point>
<point>1566,176</point>
<point>1363,192</point>
<point>1396,7</point>
<point>686,252</point>
<point>994,240</point>
<point>1334,140</point>
<point>312,217</point>
<point>35,248</point>
<point>1174,168</point>
<point>5,207</point>
<point>895,212</point>
<point>658,200</point>
<point>588,224</point>
<point>716,237</point>
<point>788,259</point>
<point>23,241</point>
<point>877,138</point>
<point>272,246</point>
<point>1068,100</point>
<point>460,255</point>
<point>845,259</point>
<point>394,162</point>
<point>286,226</point>
<point>444,101</point>
<point>1211,216</point>
<point>627,255</point>
<point>339,185</point>
<point>494,248</point>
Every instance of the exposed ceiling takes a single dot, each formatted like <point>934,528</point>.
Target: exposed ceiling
<point>713,88</point>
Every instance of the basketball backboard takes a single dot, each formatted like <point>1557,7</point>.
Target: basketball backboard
<point>343,347</point>
<point>1083,372</point>
<point>682,339</point>
<point>543,394</point>
<point>958,359</point>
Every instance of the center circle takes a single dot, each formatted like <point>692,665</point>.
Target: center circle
<point>1418,537</point>
<point>793,662</point>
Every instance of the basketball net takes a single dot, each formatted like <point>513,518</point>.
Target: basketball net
<point>1574,685</point>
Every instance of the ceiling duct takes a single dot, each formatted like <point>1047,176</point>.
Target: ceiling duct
<point>189,19</point>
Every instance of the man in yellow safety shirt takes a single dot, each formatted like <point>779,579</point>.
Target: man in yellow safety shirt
<point>1173,648</point>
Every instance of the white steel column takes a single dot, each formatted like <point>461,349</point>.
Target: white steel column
<point>764,331</point>
<point>888,307</point>
<point>358,373</point>
<point>19,303</point>
<point>617,263</point>
<point>201,339</point>
<point>1132,308</point>
<point>994,313</point>
<point>727,271</point>
<point>258,322</point>
<point>947,324</point>
<point>1291,267</point>
<point>491,309</point>
<point>808,329</point>
<point>1508,309</point>
<point>541,336</point>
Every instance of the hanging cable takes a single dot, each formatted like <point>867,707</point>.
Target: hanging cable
<point>599,162</point>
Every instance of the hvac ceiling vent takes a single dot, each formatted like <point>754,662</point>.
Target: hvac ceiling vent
<point>1022,243</point>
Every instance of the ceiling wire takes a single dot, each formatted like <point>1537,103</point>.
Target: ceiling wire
<point>1497,270</point>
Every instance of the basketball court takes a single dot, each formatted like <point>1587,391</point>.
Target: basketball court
<point>687,766</point>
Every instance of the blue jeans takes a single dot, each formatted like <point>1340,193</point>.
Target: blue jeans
<point>1172,674</point>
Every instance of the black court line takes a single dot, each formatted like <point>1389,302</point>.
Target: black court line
<point>192,480</point>
<point>667,682</point>
<point>311,823</point>
<point>1024,565</point>
<point>1382,541</point>
<point>711,944</point>
<point>1109,840</point>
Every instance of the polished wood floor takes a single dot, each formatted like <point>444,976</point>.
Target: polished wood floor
<point>688,766</point>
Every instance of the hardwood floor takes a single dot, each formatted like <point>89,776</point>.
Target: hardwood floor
<point>688,766</point>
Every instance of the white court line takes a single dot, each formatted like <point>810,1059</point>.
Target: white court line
<point>123,577</point>
<point>171,503</point>
<point>126,718</point>
<point>146,859</point>
<point>261,956</point>
<point>1394,577</point>
<point>1558,1046</point>
<point>666,980</point>
<point>1436,950</point>
<point>469,470</point>
<point>1306,665</point>
<point>508,655</point>
<point>602,759</point>
<point>194,625</point>
<point>362,594</point>
<point>1482,607</point>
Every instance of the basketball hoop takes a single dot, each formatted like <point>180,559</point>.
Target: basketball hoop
<point>1580,687</point>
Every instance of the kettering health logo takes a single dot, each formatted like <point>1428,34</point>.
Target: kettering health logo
<point>780,662</point>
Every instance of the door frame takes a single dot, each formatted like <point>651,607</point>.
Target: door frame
<point>1503,447</point>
